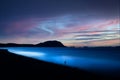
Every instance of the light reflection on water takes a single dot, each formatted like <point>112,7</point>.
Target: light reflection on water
<point>29,54</point>
<point>69,58</point>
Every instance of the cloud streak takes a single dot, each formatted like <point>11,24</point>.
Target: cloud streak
<point>67,28</point>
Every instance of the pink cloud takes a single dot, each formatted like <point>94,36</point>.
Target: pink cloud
<point>111,42</point>
<point>108,23</point>
<point>93,28</point>
<point>21,27</point>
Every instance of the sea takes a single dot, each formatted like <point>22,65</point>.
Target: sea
<point>105,61</point>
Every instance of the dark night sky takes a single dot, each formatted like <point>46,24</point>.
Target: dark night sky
<point>73,22</point>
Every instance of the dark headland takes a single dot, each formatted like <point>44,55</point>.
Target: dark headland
<point>14,66</point>
<point>56,43</point>
<point>44,44</point>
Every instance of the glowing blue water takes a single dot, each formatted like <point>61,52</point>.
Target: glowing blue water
<point>94,60</point>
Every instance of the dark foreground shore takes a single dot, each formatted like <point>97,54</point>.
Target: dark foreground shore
<point>16,67</point>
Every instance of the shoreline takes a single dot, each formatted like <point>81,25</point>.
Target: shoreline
<point>24,67</point>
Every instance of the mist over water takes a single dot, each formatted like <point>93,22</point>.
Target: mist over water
<point>91,60</point>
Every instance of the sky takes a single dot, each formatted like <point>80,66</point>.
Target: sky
<point>73,22</point>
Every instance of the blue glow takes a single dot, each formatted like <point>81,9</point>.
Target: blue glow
<point>86,60</point>
<point>29,54</point>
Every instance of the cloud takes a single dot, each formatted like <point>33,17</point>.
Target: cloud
<point>69,29</point>
<point>88,34</point>
<point>110,42</point>
<point>86,38</point>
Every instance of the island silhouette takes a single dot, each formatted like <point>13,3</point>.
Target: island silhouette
<point>53,43</point>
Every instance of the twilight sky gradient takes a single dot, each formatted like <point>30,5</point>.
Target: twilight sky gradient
<point>73,22</point>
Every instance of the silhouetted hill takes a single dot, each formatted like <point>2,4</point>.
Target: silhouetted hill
<point>51,44</point>
<point>56,44</point>
<point>44,44</point>
<point>16,67</point>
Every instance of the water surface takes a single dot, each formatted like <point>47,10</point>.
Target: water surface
<point>91,60</point>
